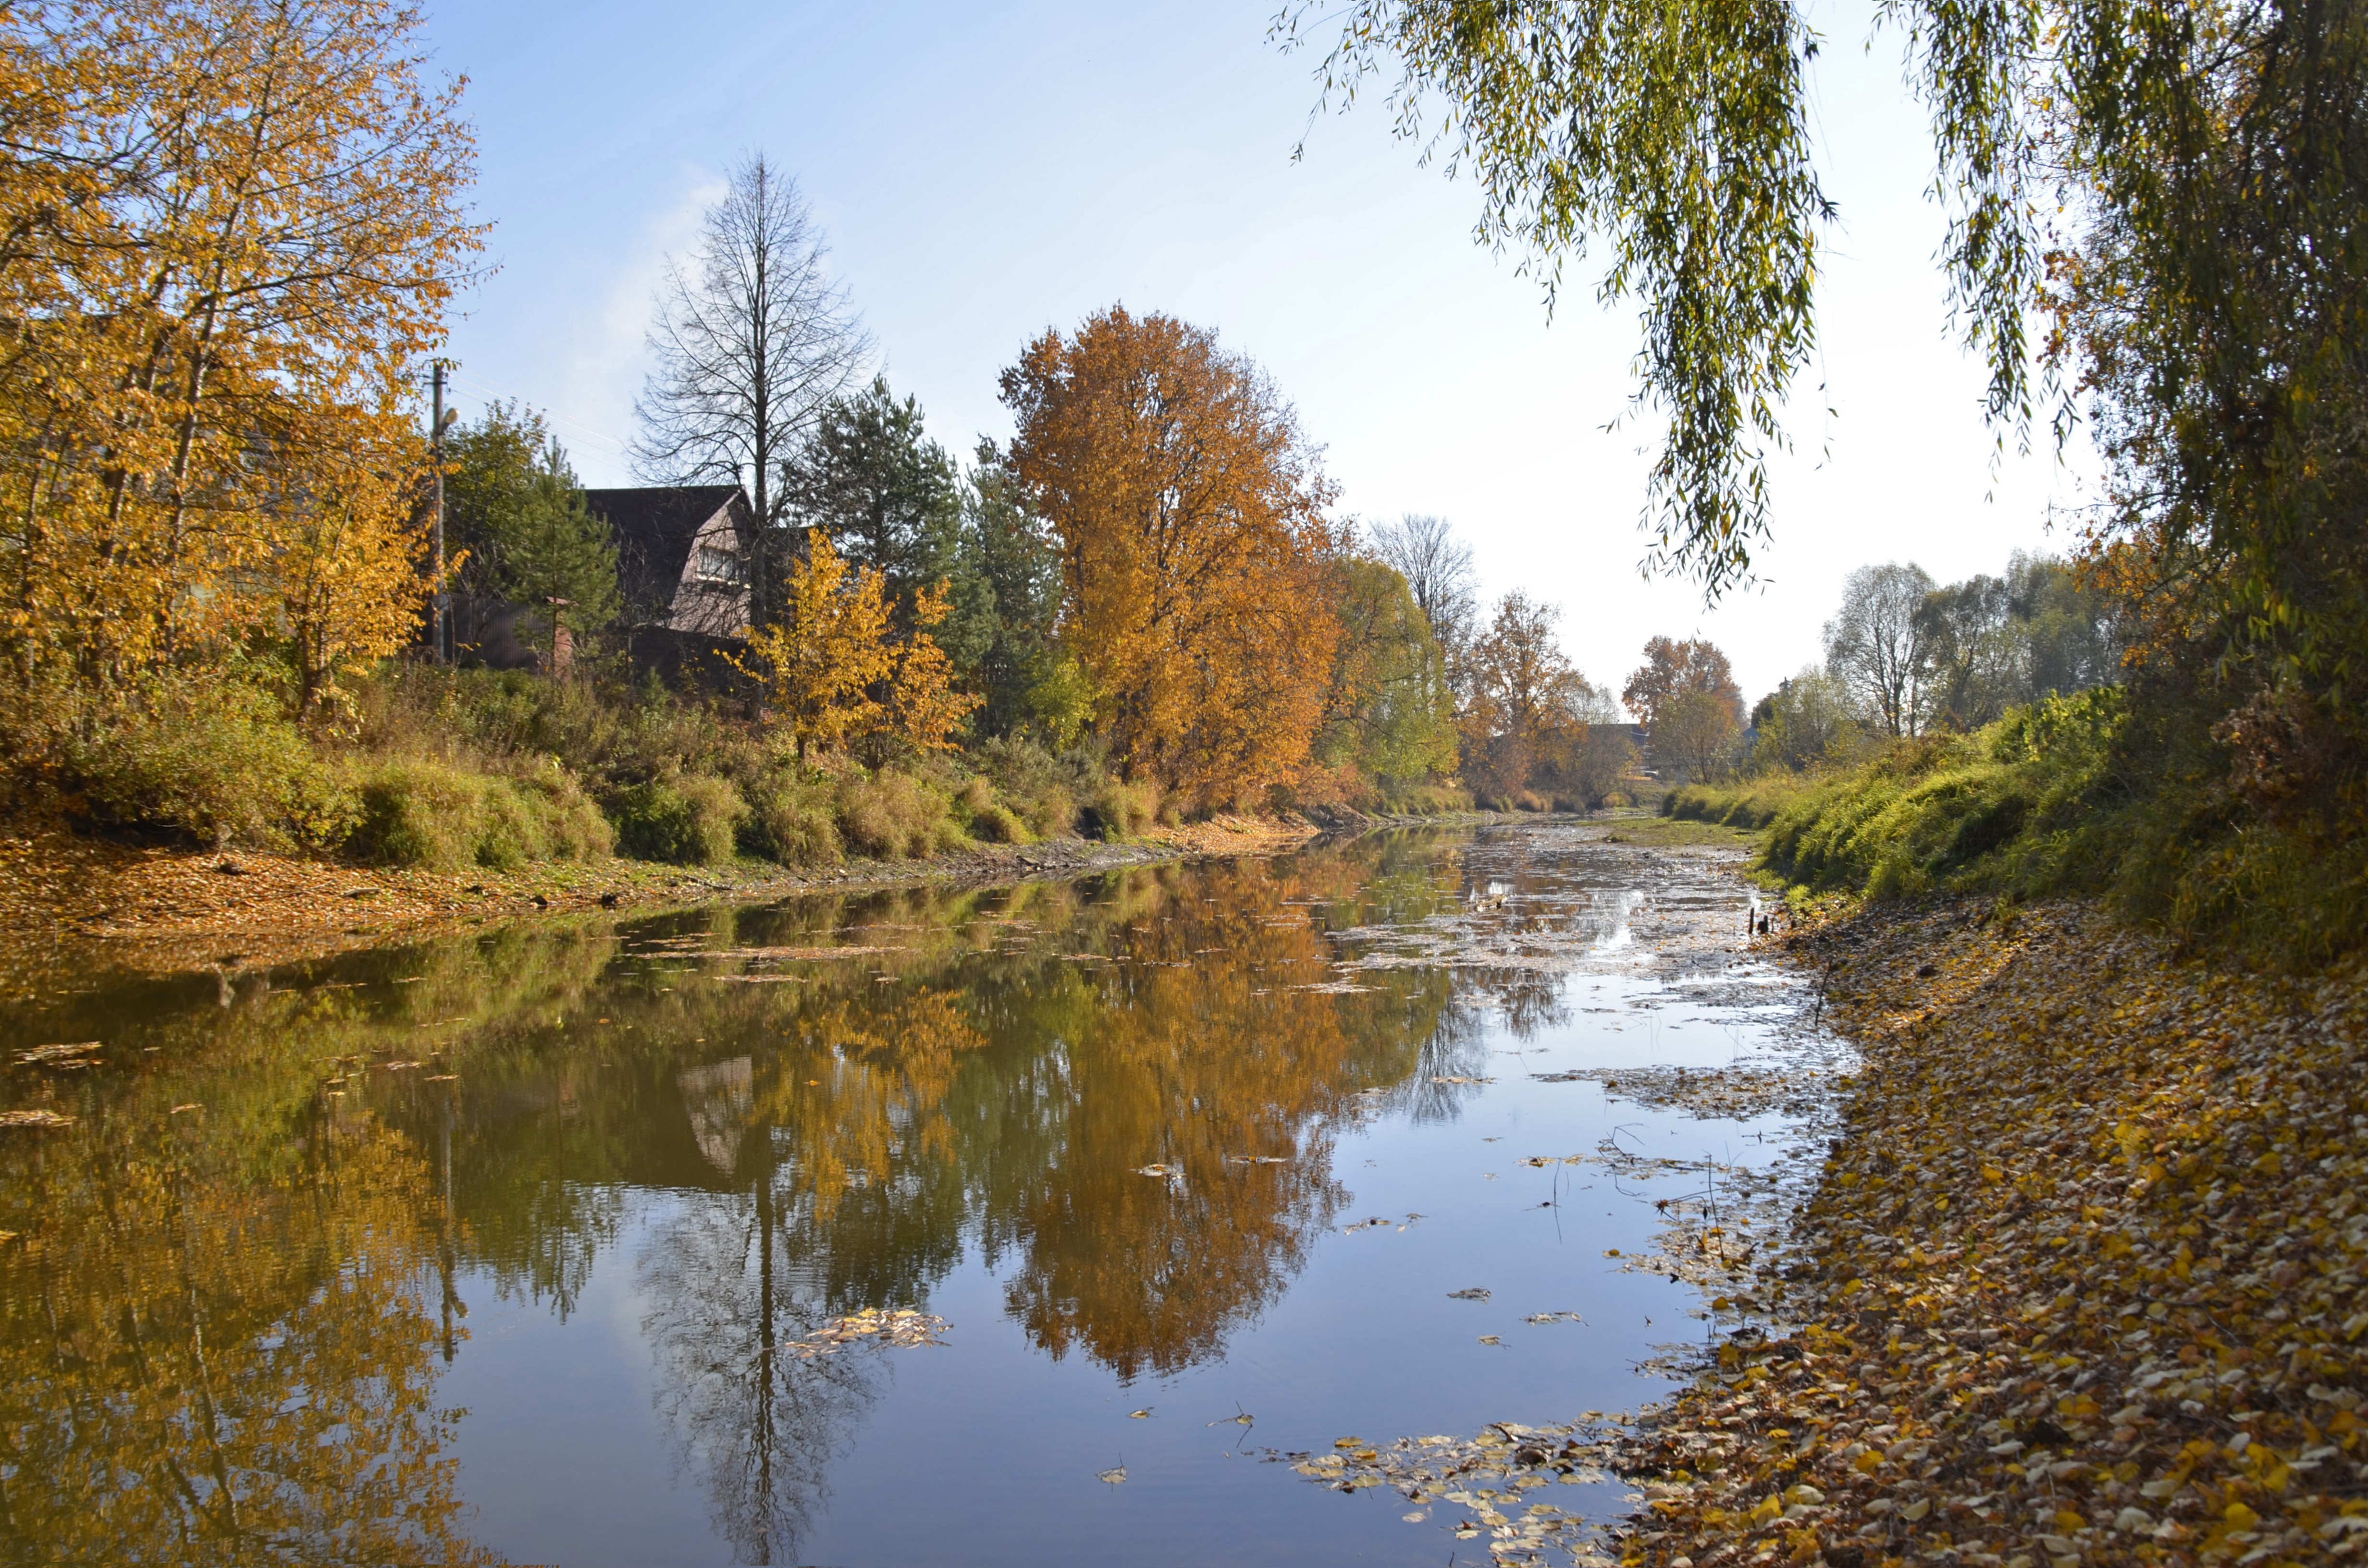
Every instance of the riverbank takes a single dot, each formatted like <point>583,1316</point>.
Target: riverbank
<point>64,896</point>
<point>2080,1282</point>
<point>178,905</point>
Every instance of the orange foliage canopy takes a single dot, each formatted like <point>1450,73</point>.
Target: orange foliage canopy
<point>233,229</point>
<point>1192,515</point>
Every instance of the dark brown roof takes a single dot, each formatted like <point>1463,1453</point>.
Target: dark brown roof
<point>653,528</point>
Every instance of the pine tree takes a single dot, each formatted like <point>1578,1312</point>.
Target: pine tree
<point>517,511</point>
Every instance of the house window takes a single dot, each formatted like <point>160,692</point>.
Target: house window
<point>719,566</point>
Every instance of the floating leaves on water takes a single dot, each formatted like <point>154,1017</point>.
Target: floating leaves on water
<point>1738,1093</point>
<point>1458,1078</point>
<point>64,1056</point>
<point>1553,1317</point>
<point>1115,1475</point>
<point>1366,1225</point>
<point>1239,1418</point>
<point>894,1326</point>
<point>790,955</point>
<point>1158,1170</point>
<point>1139,1415</point>
<point>1258,1159</point>
<point>1475,1293</point>
<point>180,1108</point>
<point>1492,1339</point>
<point>34,1118</point>
<point>1485,1476</point>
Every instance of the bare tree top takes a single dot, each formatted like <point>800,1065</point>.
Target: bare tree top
<point>1438,569</point>
<point>753,338</point>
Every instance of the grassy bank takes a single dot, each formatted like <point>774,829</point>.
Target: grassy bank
<point>478,773</point>
<point>2073,795</point>
<point>2080,1283</point>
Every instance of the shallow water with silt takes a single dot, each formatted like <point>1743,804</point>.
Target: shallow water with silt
<point>1014,1225</point>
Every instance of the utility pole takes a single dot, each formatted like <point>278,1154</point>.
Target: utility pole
<point>436,440</point>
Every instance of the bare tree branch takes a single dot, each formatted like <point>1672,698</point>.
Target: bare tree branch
<point>753,336</point>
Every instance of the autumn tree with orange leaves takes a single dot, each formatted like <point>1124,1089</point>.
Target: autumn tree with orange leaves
<point>232,229</point>
<point>1191,513</point>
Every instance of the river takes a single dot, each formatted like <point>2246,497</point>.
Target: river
<point>1017,1225</point>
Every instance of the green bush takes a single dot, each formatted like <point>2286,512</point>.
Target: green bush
<point>214,762</point>
<point>419,812</point>
<point>2021,807</point>
<point>683,819</point>
<point>987,819</point>
<point>1426,800</point>
<point>890,815</point>
<point>1041,788</point>
<point>1746,804</point>
<point>1120,809</point>
<point>791,822</point>
<point>545,816</point>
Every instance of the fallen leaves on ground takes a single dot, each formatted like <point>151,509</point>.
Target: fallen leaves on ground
<point>2081,1280</point>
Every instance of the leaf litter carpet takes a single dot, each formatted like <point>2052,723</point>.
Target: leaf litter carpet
<point>2078,1280</point>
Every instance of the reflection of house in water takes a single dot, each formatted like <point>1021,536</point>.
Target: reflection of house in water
<point>682,571</point>
<point>718,1098</point>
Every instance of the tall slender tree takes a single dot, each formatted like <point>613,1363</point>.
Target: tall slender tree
<point>754,337</point>
<point>1875,643</point>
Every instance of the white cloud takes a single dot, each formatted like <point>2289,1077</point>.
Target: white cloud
<point>605,364</point>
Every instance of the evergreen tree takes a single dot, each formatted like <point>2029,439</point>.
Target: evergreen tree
<point>515,506</point>
<point>888,496</point>
<point>1007,601</point>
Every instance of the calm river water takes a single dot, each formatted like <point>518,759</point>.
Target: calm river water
<point>540,1245</point>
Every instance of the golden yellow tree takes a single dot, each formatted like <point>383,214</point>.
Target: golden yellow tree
<point>1192,520</point>
<point>348,571</point>
<point>263,231</point>
<point>819,666</point>
<point>835,671</point>
<point>926,710</point>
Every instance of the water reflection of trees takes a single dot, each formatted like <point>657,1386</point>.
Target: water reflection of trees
<point>757,1424</point>
<point>994,1067</point>
<point>214,1346</point>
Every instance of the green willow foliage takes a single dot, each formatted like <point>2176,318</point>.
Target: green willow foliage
<point>2220,299</point>
<point>2209,151</point>
<point>1678,130</point>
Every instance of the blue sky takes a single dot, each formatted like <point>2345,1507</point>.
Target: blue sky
<point>988,172</point>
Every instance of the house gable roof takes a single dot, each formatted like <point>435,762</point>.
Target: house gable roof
<point>654,529</point>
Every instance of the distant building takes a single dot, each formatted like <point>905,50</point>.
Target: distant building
<point>681,571</point>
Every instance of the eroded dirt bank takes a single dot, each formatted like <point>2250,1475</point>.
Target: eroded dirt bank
<point>65,898</point>
<point>2080,1282</point>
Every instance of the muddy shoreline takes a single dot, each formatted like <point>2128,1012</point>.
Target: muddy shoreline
<point>69,901</point>
<point>2078,1282</point>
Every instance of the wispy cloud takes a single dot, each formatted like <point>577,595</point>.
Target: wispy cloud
<point>605,364</point>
